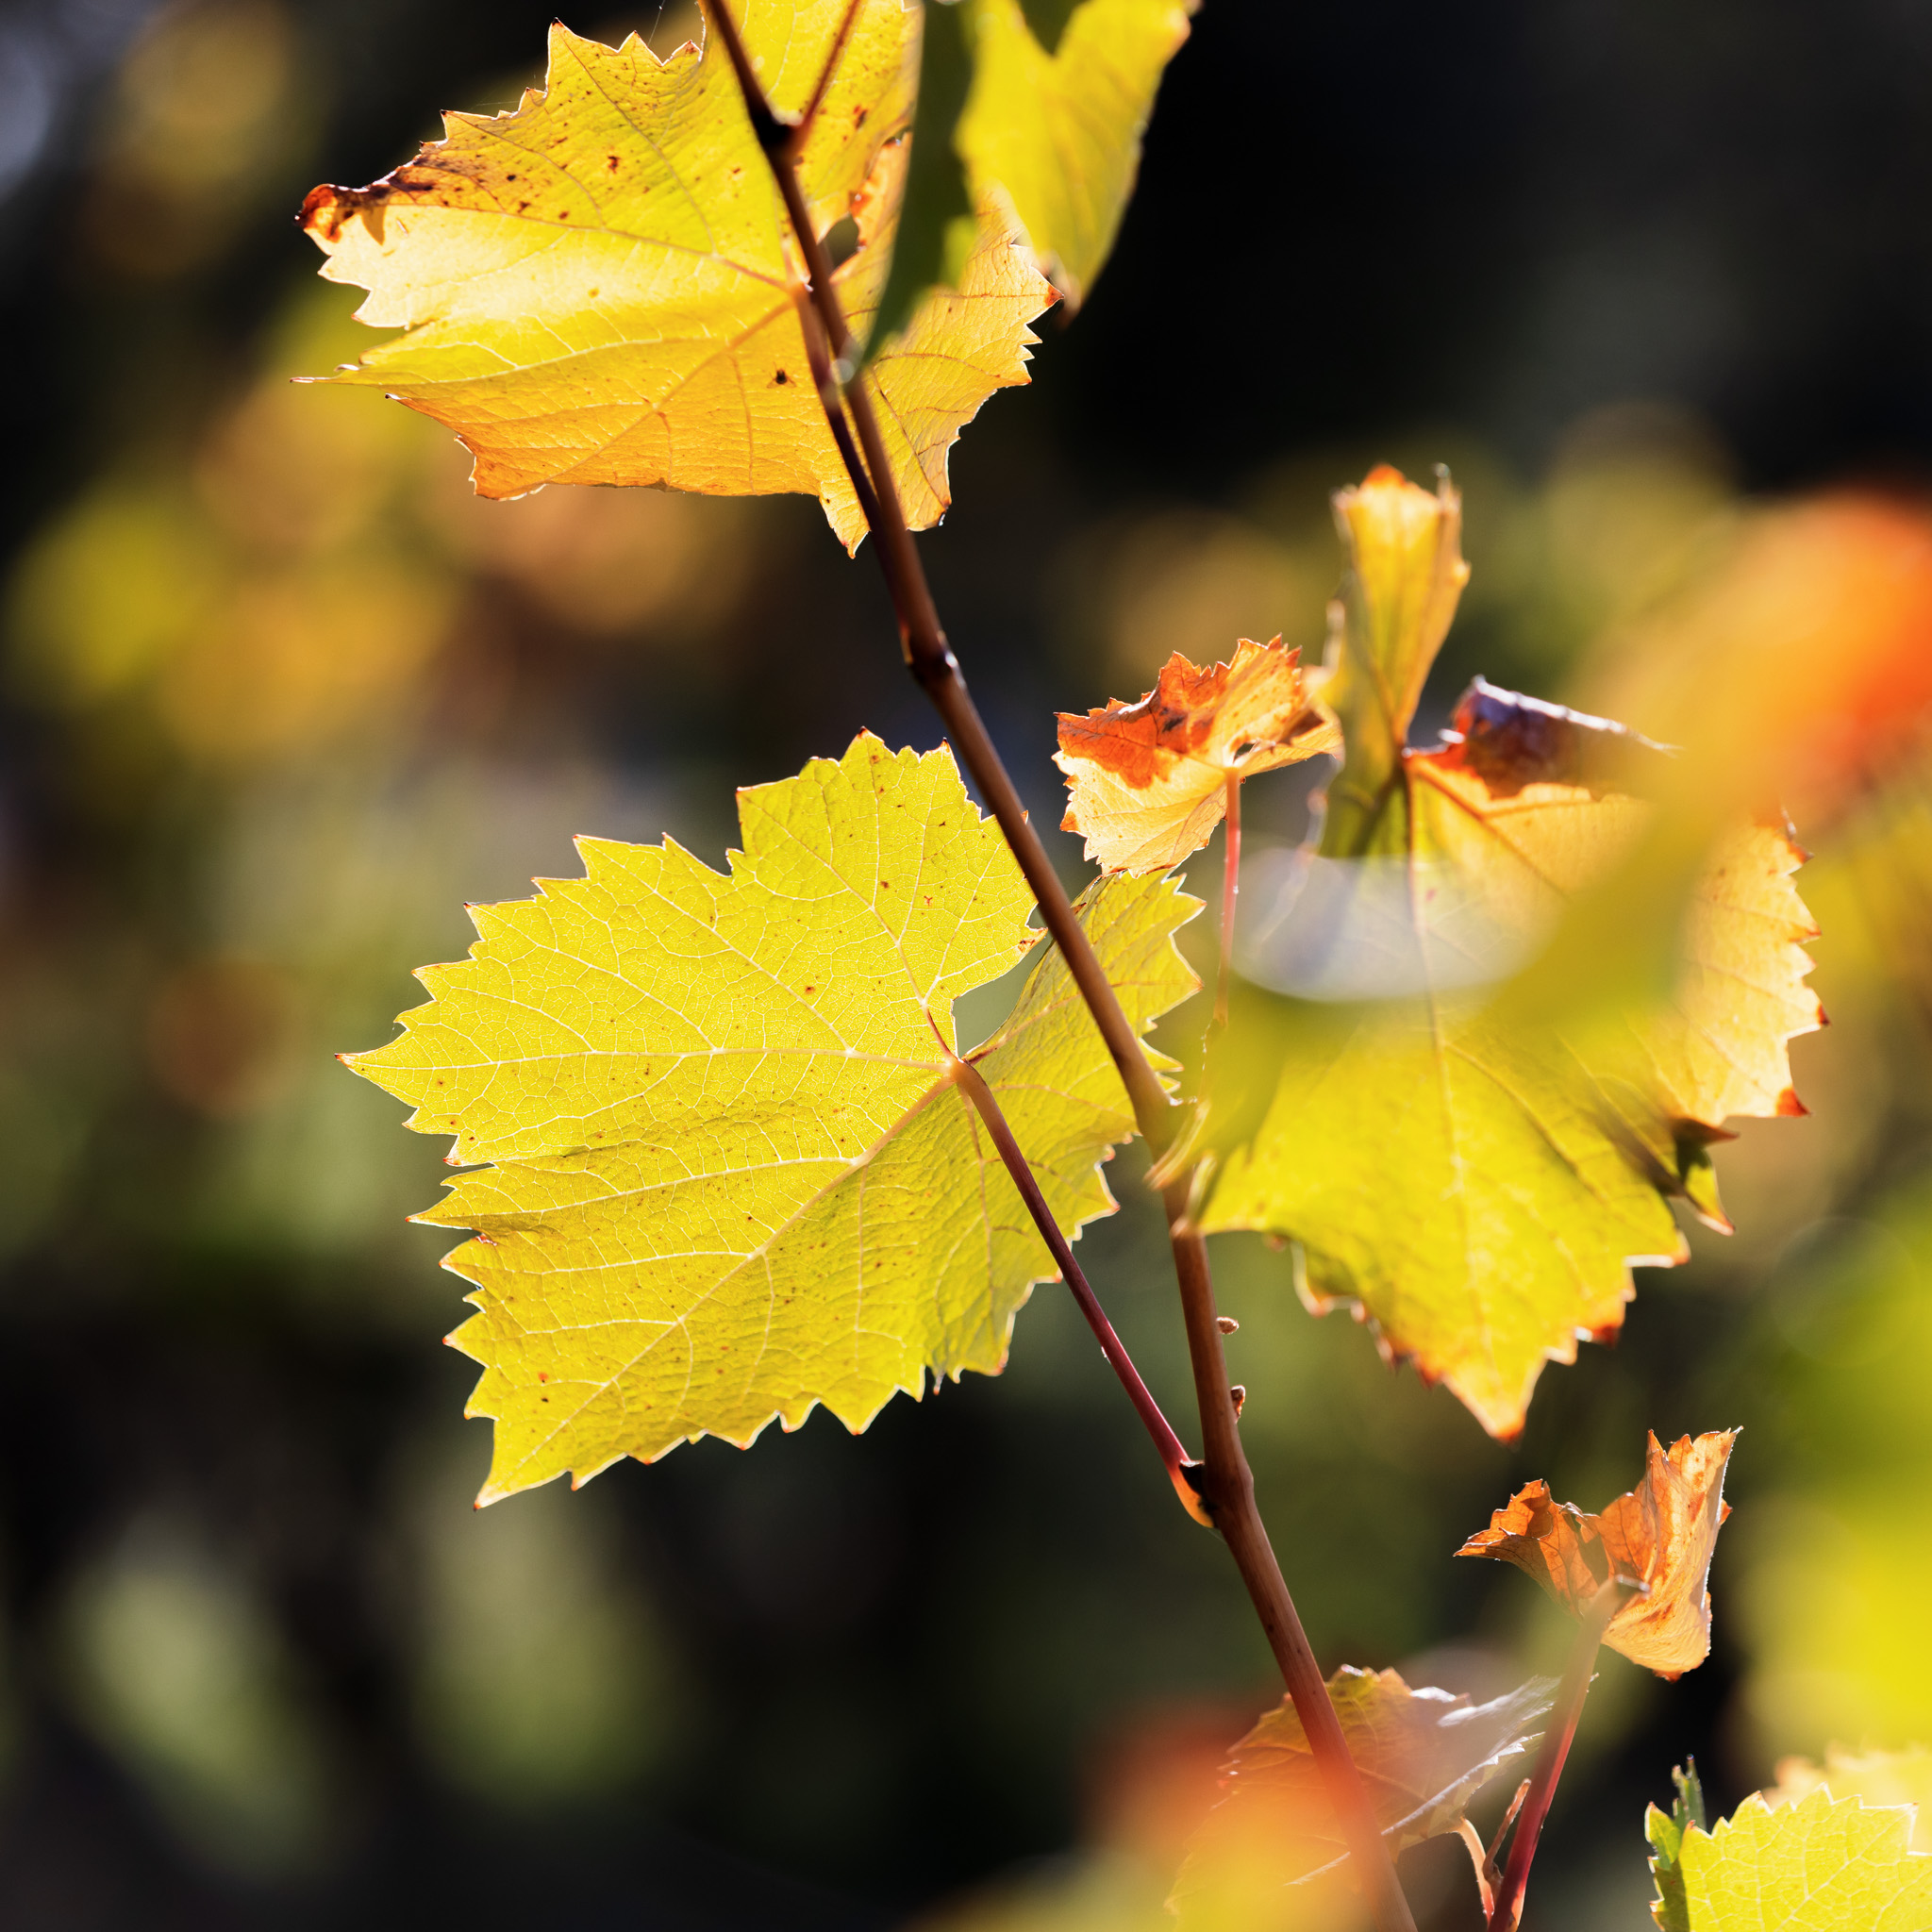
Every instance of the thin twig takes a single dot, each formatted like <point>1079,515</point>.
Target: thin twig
<point>1229,1489</point>
<point>1230,890</point>
<point>1178,1462</point>
<point>1231,1495</point>
<point>1507,1911</point>
<point>796,143</point>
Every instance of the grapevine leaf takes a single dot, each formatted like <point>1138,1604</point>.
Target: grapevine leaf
<point>1054,134</point>
<point>1474,1181</point>
<point>1879,1777</point>
<point>1058,135</point>
<point>1665,1830</point>
<point>1404,579</point>
<point>1423,1753</point>
<point>1823,1864</point>
<point>935,223</point>
<point>598,285</point>
<point>1147,782</point>
<point>1660,1534</point>
<point>731,1176</point>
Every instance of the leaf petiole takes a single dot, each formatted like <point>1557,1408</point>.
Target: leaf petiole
<point>1179,1464</point>
<point>1507,1913</point>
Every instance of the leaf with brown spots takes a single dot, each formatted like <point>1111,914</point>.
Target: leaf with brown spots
<point>1661,1535</point>
<point>730,1175</point>
<point>1147,782</point>
<point>600,286</point>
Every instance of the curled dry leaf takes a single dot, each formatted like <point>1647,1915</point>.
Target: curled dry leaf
<point>1424,1755</point>
<point>1147,781</point>
<point>731,1174</point>
<point>1660,1534</point>
<point>600,286</point>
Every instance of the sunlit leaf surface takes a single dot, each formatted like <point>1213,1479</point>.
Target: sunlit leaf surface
<point>1880,1777</point>
<point>599,287</point>
<point>731,1176</point>
<point>1473,1181</point>
<point>1823,1864</point>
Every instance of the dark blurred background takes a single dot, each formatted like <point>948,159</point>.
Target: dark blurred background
<point>278,697</point>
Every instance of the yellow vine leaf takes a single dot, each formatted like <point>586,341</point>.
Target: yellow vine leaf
<point>1879,1777</point>
<point>1823,1864</point>
<point>1270,1856</point>
<point>1050,135</point>
<point>599,285</point>
<point>1474,1183</point>
<point>1059,134</point>
<point>1147,782</point>
<point>730,1175</point>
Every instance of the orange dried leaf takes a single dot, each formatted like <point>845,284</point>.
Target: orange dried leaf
<point>1660,1534</point>
<point>1147,781</point>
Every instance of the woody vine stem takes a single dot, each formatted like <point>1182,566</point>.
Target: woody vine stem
<point>1224,1480</point>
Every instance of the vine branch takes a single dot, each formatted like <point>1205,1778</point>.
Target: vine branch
<point>1228,1490</point>
<point>1507,1913</point>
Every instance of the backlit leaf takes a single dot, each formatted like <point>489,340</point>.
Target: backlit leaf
<point>731,1177</point>
<point>1404,579</point>
<point>598,286</point>
<point>1823,1864</point>
<point>1147,782</point>
<point>1660,1534</point>
<point>1879,1777</point>
<point>1423,1755</point>
<point>1665,1830</point>
<point>1052,133</point>
<point>1058,134</point>
<point>1475,1182</point>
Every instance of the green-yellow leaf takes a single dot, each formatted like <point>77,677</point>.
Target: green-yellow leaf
<point>1665,1830</point>
<point>1823,1864</point>
<point>1059,134</point>
<point>1880,1777</point>
<point>1474,1184</point>
<point>731,1176</point>
<point>1054,135</point>
<point>599,285</point>
<point>1424,1755</point>
<point>1404,579</point>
